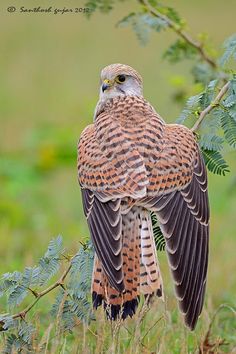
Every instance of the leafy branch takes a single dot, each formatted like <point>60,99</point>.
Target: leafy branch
<point>215,109</point>
<point>211,106</point>
<point>177,28</point>
<point>60,282</point>
<point>72,304</point>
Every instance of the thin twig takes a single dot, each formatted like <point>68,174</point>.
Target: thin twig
<point>59,282</point>
<point>211,106</point>
<point>177,29</point>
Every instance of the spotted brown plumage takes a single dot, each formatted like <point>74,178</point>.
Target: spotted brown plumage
<point>131,162</point>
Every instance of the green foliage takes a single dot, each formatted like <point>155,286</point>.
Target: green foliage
<point>229,128</point>
<point>179,50</point>
<point>192,108</point>
<point>103,5</point>
<point>220,122</point>
<point>72,303</point>
<point>203,73</point>
<point>157,233</point>
<point>211,142</point>
<point>229,103</point>
<point>229,50</point>
<point>142,24</point>
<point>215,162</point>
<point>50,263</point>
<point>168,11</point>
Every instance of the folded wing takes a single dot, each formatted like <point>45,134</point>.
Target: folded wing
<point>184,220</point>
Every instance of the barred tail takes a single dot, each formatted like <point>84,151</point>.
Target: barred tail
<point>140,268</point>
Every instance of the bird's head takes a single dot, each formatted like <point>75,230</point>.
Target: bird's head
<point>118,80</point>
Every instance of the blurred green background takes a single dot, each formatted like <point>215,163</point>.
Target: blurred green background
<point>49,80</point>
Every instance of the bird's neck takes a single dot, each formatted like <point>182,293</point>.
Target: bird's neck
<point>105,102</point>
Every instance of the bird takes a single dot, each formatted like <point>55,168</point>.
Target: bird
<point>132,163</point>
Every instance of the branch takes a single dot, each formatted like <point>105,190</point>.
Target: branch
<point>186,36</point>
<point>59,282</point>
<point>211,106</point>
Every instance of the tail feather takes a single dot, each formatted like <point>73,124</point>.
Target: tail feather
<point>140,268</point>
<point>150,277</point>
<point>98,288</point>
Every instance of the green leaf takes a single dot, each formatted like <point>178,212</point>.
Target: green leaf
<point>212,122</point>
<point>17,344</point>
<point>203,73</point>
<point>155,23</point>
<point>212,85</point>
<point>230,50</point>
<point>142,24</point>
<point>78,302</point>
<point>81,308</point>
<point>215,162</point>
<point>157,233</point>
<point>104,6</point>
<point>205,100</point>
<point>7,322</point>
<point>229,128</point>
<point>192,105</point>
<point>55,248</point>
<point>50,263</point>
<point>229,103</point>
<point>15,287</point>
<point>31,276</point>
<point>17,295</point>
<point>81,270</point>
<point>139,27</point>
<point>168,11</point>
<point>26,331</point>
<point>9,281</point>
<point>211,142</point>
<point>232,111</point>
<point>61,309</point>
<point>180,50</point>
<point>10,344</point>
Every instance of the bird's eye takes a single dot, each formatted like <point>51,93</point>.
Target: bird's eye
<point>120,78</point>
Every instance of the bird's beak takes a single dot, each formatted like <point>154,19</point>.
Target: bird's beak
<point>106,84</point>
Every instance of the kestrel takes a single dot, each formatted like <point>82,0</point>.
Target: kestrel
<point>130,162</point>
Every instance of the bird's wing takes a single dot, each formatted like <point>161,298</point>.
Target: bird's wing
<point>181,203</point>
<point>104,220</point>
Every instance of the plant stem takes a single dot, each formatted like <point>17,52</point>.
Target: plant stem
<point>177,29</point>
<point>211,106</point>
<point>59,282</point>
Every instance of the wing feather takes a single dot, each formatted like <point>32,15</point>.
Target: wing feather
<point>184,219</point>
<point>104,221</point>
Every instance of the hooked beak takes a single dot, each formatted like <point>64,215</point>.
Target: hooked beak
<point>106,84</point>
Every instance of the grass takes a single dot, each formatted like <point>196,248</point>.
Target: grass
<point>49,83</point>
<point>158,330</point>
